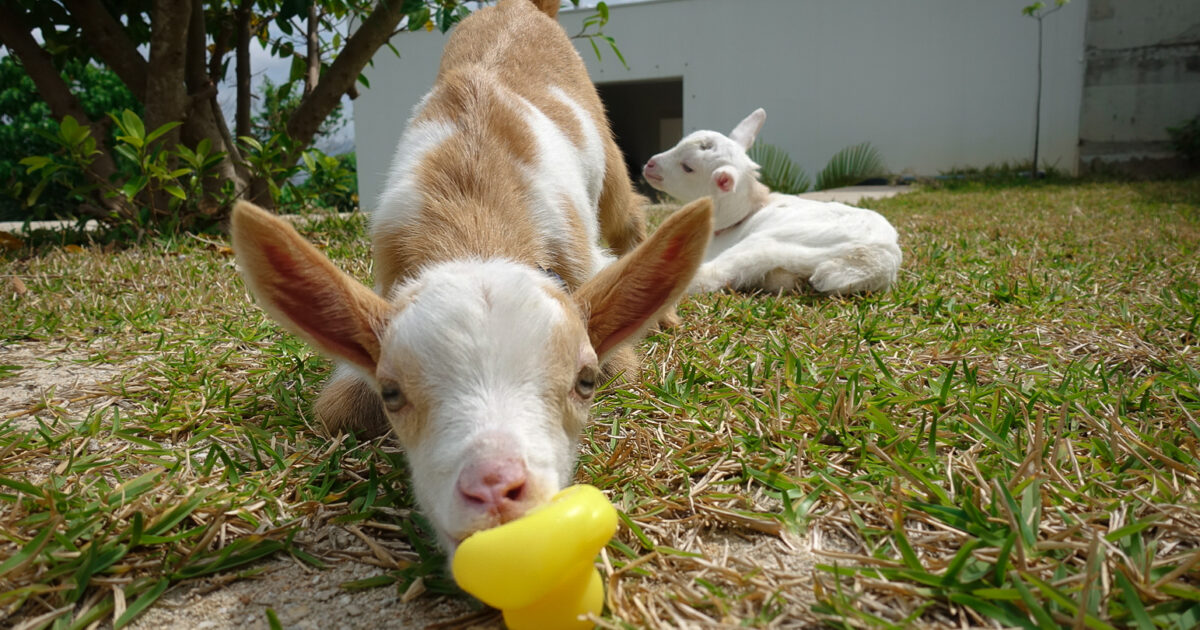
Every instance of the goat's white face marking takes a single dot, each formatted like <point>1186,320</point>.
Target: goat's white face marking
<point>706,163</point>
<point>487,357</point>
<point>685,171</point>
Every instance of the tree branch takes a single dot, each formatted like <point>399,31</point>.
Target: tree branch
<point>195,73</point>
<point>225,29</point>
<point>342,73</point>
<point>313,50</point>
<point>242,119</point>
<point>205,120</point>
<point>17,37</point>
<point>109,40</point>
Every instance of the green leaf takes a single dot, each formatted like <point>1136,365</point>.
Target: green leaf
<point>27,552</point>
<point>1132,528</point>
<point>418,19</point>
<point>37,191</point>
<point>1044,620</point>
<point>251,142</point>
<point>1129,595</point>
<point>157,133</point>
<point>777,171</point>
<point>950,576</point>
<point>850,166</point>
<point>284,25</point>
<point>133,125</point>
<point>134,185</point>
<point>71,132</point>
<point>141,603</point>
<point>175,191</point>
<point>298,69</point>
<point>1003,613</point>
<point>127,152</point>
<point>134,487</point>
<point>35,162</point>
<point>901,542</point>
<point>612,43</point>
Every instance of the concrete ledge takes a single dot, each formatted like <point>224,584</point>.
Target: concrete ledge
<point>848,195</point>
<point>18,227</point>
<point>854,194</point>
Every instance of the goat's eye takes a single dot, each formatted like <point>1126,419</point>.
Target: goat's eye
<point>393,398</point>
<point>706,146</point>
<point>686,168</point>
<point>585,382</point>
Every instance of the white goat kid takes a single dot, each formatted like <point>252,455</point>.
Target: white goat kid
<point>770,241</point>
<point>481,360</point>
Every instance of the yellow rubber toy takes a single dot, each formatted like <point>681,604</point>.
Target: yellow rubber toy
<point>538,570</point>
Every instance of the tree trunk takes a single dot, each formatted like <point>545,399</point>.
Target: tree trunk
<point>201,121</point>
<point>242,119</point>
<point>225,30</point>
<point>15,35</point>
<point>166,90</point>
<point>343,72</point>
<point>313,43</point>
<point>108,38</point>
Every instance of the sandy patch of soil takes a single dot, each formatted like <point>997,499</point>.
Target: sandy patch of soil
<point>305,598</point>
<point>50,375</point>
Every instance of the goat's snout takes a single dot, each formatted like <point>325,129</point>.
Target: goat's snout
<point>495,486</point>
<point>650,170</point>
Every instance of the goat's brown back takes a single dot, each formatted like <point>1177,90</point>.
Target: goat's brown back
<point>475,184</point>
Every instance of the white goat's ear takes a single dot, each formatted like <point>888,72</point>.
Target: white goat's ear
<point>745,132</point>
<point>630,295</point>
<point>725,178</point>
<point>298,286</point>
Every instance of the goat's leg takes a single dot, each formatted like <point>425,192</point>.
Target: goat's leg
<point>349,404</point>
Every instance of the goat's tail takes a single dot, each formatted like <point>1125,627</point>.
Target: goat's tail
<point>549,7</point>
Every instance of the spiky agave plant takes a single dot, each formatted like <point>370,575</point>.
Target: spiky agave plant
<point>778,171</point>
<point>850,166</point>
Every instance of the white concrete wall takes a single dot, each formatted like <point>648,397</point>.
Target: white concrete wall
<point>1143,75</point>
<point>934,84</point>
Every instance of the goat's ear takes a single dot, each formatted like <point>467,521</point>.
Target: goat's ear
<point>631,294</point>
<point>303,291</point>
<point>725,178</point>
<point>747,130</point>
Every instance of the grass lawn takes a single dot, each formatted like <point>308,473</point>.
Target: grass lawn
<point>1008,438</point>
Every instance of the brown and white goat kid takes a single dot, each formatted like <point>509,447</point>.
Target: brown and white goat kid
<point>482,362</point>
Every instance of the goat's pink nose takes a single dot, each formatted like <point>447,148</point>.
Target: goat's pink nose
<point>495,485</point>
<point>651,165</point>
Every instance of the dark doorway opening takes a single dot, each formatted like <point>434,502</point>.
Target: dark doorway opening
<point>646,118</point>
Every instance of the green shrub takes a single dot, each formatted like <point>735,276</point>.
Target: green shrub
<point>851,166</point>
<point>777,170</point>
<point>163,188</point>
<point>331,184</point>
<point>1185,139</point>
<point>29,129</point>
<point>847,167</point>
